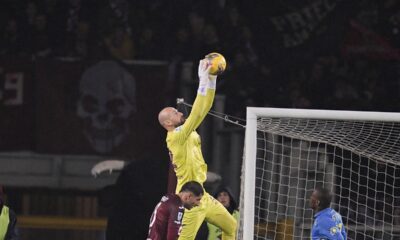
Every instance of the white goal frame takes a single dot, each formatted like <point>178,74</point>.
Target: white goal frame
<point>249,169</point>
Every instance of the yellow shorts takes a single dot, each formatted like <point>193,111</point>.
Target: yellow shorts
<point>213,212</point>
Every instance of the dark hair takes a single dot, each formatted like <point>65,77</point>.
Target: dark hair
<point>324,197</point>
<point>232,203</point>
<point>193,187</point>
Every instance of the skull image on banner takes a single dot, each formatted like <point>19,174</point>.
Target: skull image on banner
<point>107,100</point>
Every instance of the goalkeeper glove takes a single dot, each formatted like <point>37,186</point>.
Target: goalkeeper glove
<point>207,81</point>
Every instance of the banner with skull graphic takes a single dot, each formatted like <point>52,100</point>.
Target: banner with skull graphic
<point>105,107</point>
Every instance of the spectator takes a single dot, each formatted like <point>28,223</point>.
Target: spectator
<point>232,29</point>
<point>73,13</point>
<point>120,8</point>
<point>40,39</point>
<point>30,14</point>
<point>197,25</point>
<point>148,47</point>
<point>120,44</point>
<point>8,220</point>
<point>248,45</point>
<point>238,90</point>
<point>82,43</point>
<point>11,41</point>
<point>180,46</point>
<point>211,39</point>
<point>345,95</point>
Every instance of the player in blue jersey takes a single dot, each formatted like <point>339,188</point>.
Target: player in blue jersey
<point>328,223</point>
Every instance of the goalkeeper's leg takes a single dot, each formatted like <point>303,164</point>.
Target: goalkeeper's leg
<point>220,217</point>
<point>192,220</point>
<point>214,212</point>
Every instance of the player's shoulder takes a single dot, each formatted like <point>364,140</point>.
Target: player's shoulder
<point>171,197</point>
<point>165,198</point>
<point>173,132</point>
<point>336,217</point>
<point>166,201</point>
<point>326,221</point>
<point>323,215</point>
<point>332,213</point>
<point>171,202</point>
<point>178,129</point>
<point>172,135</point>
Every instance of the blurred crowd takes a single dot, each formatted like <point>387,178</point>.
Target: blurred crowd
<point>123,29</point>
<point>184,30</point>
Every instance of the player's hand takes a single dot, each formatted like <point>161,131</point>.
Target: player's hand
<point>207,81</point>
<point>204,69</point>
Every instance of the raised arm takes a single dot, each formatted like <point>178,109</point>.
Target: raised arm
<point>203,101</point>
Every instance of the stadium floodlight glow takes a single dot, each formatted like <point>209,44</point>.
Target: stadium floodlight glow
<point>289,152</point>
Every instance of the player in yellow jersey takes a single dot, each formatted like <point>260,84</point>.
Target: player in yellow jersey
<point>184,146</point>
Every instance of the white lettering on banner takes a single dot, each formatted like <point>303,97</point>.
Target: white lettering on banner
<point>13,83</point>
<point>296,27</point>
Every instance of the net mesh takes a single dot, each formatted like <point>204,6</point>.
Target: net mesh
<point>357,160</point>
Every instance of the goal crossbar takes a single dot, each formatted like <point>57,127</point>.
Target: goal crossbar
<point>254,112</point>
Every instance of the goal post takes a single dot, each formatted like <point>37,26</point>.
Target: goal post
<point>289,152</point>
<point>248,178</point>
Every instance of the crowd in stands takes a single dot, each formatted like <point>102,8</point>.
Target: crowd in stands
<point>185,30</point>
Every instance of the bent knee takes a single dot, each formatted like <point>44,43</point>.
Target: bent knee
<point>229,234</point>
<point>230,227</point>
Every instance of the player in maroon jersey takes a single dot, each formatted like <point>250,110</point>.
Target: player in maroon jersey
<point>166,220</point>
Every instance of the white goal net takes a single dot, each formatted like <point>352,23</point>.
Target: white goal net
<point>290,152</point>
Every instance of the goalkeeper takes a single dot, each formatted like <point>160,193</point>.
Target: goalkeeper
<point>184,145</point>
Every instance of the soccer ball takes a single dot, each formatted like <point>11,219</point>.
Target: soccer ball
<point>218,63</point>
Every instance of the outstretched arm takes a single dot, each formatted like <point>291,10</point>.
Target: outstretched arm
<point>203,101</point>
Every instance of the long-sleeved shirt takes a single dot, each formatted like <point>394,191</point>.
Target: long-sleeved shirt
<point>184,144</point>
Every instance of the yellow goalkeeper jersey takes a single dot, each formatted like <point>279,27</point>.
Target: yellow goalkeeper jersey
<point>184,144</point>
